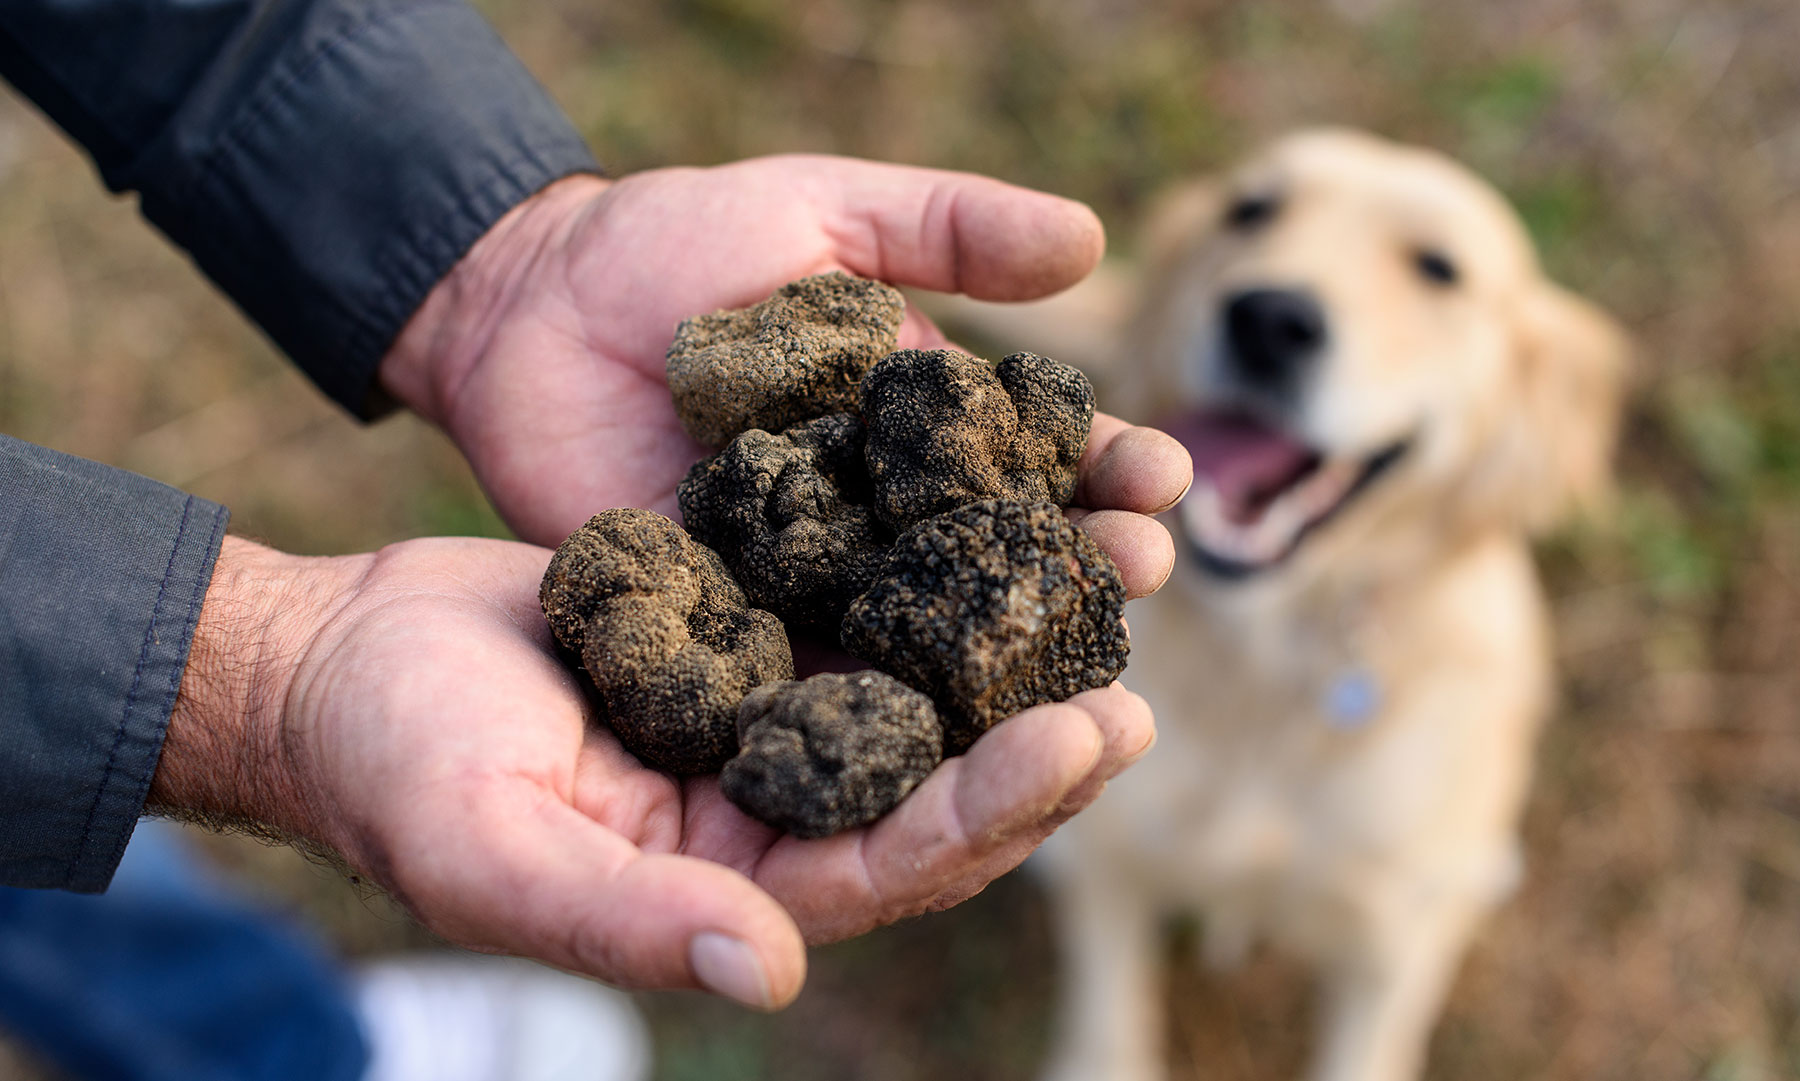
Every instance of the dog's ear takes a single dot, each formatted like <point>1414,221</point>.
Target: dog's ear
<point>1571,364</point>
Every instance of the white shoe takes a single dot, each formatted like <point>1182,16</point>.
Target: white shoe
<point>468,1017</point>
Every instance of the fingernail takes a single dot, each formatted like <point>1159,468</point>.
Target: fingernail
<point>728,966</point>
<point>1132,758</point>
<point>1170,505</point>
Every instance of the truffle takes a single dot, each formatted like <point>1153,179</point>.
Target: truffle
<point>945,429</point>
<point>665,634</point>
<point>990,609</point>
<point>832,752</point>
<point>797,355</point>
<point>789,514</point>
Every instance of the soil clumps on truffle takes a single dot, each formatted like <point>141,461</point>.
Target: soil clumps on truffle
<point>668,638</point>
<point>946,429</point>
<point>990,609</point>
<point>986,603</point>
<point>790,516</point>
<point>798,355</point>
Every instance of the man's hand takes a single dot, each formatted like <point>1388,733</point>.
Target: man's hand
<point>542,353</point>
<point>405,709</point>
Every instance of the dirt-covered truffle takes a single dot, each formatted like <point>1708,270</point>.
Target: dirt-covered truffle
<point>797,355</point>
<point>666,635</point>
<point>990,609</point>
<point>832,752</point>
<point>945,429</point>
<point>789,514</point>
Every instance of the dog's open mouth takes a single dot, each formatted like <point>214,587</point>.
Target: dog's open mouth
<point>1258,491</point>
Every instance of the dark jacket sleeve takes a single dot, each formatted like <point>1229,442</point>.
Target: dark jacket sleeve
<point>325,162</point>
<point>101,577</point>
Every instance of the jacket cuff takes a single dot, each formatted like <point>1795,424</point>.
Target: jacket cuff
<point>361,164</point>
<point>102,574</point>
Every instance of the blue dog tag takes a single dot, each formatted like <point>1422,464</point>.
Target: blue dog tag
<point>1352,699</point>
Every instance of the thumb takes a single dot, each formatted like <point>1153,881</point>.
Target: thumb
<point>956,232</point>
<point>550,883</point>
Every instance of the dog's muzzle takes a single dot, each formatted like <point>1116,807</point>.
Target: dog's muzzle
<point>1259,493</point>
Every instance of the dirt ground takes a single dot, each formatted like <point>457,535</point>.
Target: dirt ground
<point>1654,148</point>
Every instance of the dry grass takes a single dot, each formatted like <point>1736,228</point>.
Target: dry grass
<point>1653,145</point>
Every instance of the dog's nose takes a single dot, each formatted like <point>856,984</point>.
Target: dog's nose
<point>1275,335</point>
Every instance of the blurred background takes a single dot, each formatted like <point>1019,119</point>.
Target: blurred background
<point>1653,147</point>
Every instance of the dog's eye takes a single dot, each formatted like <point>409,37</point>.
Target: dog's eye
<point>1250,211</point>
<point>1436,267</point>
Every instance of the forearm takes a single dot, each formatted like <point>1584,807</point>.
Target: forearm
<point>226,759</point>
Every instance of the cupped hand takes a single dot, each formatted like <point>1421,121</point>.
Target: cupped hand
<point>424,729</point>
<point>405,709</point>
<point>542,353</point>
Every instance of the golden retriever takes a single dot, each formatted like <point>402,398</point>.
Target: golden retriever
<point>1384,397</point>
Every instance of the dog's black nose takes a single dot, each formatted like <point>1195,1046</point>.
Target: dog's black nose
<point>1275,335</point>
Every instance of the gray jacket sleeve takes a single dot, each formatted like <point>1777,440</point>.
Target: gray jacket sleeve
<point>325,162</point>
<point>101,577</point>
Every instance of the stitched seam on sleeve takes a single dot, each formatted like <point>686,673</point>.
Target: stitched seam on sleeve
<point>176,671</point>
<point>131,698</point>
<point>200,583</point>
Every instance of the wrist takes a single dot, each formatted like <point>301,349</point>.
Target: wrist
<point>442,342</point>
<point>225,757</point>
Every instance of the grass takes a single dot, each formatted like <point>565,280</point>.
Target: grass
<point>1654,152</point>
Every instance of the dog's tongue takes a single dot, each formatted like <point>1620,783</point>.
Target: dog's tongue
<point>1247,462</point>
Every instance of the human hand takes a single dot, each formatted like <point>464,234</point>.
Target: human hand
<point>404,709</point>
<point>542,353</point>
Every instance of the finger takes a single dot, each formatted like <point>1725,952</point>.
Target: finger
<point>1127,467</point>
<point>970,807</point>
<point>516,870</point>
<point>956,232</point>
<point>613,788</point>
<point>717,829</point>
<point>1140,547</point>
<point>1129,731</point>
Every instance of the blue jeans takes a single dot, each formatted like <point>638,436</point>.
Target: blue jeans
<point>168,976</point>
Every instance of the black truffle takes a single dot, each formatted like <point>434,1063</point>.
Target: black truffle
<point>789,514</point>
<point>993,608</point>
<point>945,430</point>
<point>665,634</point>
<point>832,752</point>
<point>797,355</point>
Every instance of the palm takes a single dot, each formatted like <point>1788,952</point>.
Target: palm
<point>475,787</point>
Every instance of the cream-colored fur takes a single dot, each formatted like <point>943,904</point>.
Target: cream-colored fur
<point>1374,847</point>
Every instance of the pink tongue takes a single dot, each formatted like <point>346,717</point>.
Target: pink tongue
<point>1247,462</point>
